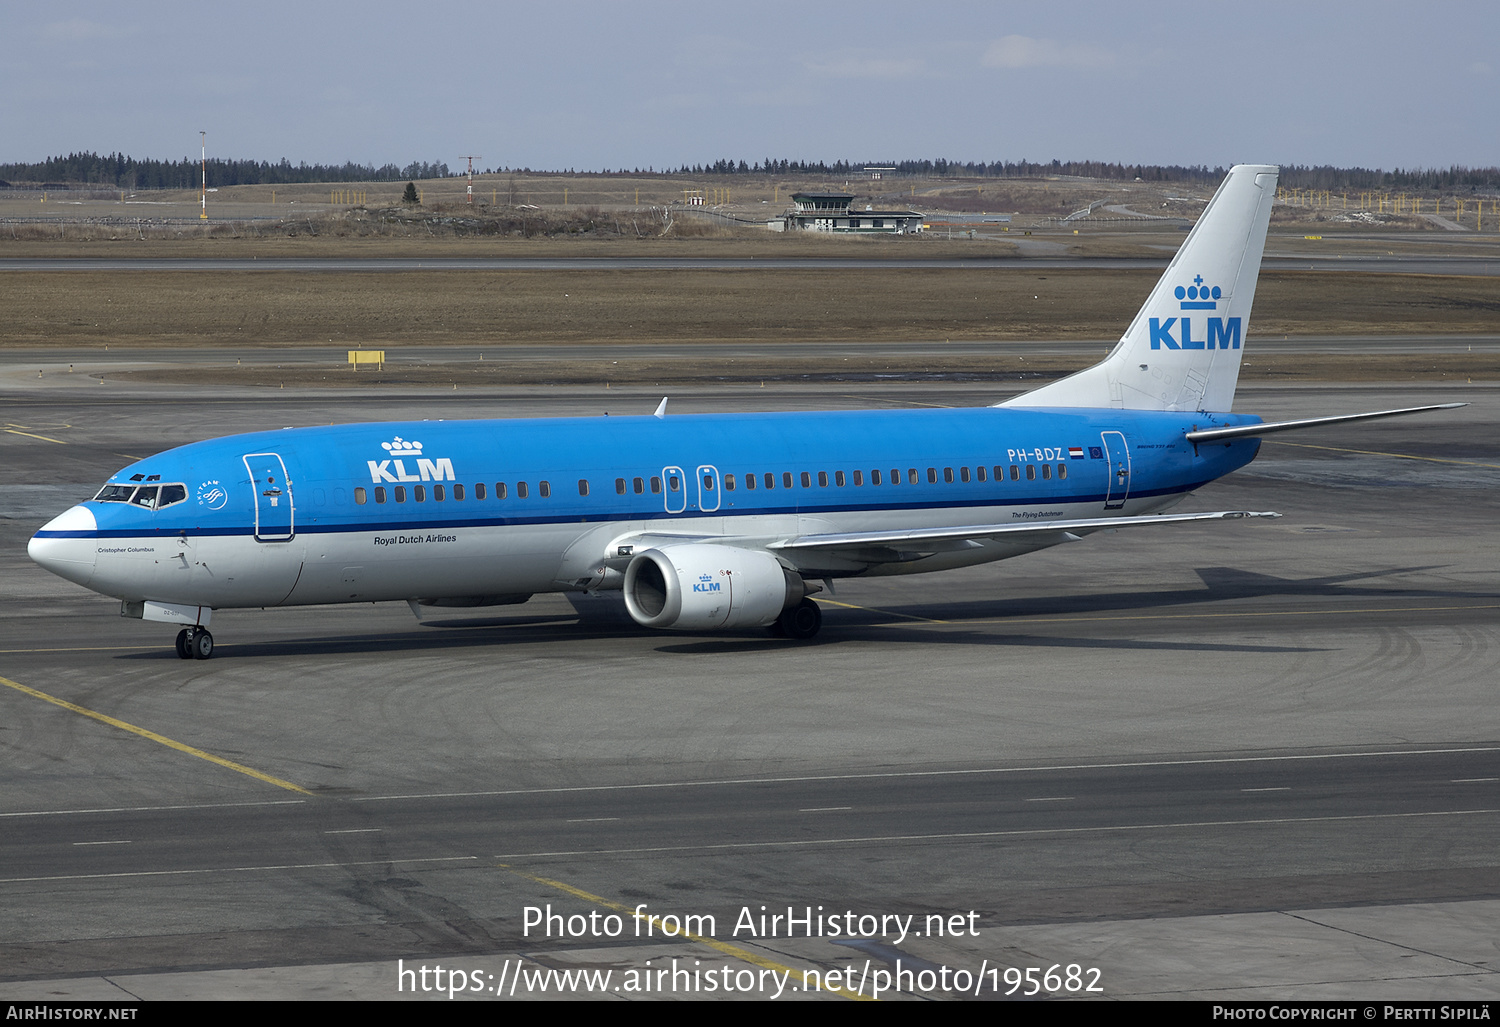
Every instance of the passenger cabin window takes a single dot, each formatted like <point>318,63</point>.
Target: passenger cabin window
<point>963,474</point>
<point>380,493</point>
<point>1031,472</point>
<point>708,482</point>
<point>620,486</point>
<point>948,475</point>
<point>1062,470</point>
<point>400,491</point>
<point>583,486</point>
<point>1047,471</point>
<point>439,494</point>
<point>638,486</point>
<point>838,478</point>
<point>786,479</point>
<point>673,483</point>
<point>1015,473</point>
<point>655,485</point>
<point>822,479</point>
<point>728,483</point>
<point>932,475</point>
<point>874,477</point>
<point>749,480</point>
<point>458,492</point>
<point>359,495</point>
<point>479,490</point>
<point>419,493</point>
<point>544,488</point>
<point>911,475</point>
<point>521,490</point>
<point>806,480</point>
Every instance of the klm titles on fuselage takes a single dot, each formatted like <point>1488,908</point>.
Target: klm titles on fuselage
<point>1220,332</point>
<point>440,469</point>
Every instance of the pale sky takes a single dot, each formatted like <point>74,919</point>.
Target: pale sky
<point>589,84</point>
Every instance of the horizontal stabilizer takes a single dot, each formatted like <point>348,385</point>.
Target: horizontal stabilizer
<point>1268,427</point>
<point>924,537</point>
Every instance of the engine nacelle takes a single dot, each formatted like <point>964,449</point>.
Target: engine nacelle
<point>700,586</point>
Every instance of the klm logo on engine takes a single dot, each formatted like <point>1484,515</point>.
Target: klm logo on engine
<point>395,470</point>
<point>705,583</point>
<point>1219,332</point>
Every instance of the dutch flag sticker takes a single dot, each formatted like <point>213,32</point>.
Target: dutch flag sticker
<point>1075,452</point>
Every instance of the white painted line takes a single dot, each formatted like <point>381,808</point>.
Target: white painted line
<point>236,870</point>
<point>928,773</point>
<point>981,835</point>
<point>357,830</point>
<point>103,843</point>
<point>591,820</point>
<point>152,809</point>
<point>1052,798</point>
<point>1283,788</point>
<point>825,809</point>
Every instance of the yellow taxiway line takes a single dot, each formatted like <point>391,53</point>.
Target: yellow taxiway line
<point>153,736</point>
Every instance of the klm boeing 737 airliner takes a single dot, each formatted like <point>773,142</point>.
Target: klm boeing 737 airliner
<point>707,522</point>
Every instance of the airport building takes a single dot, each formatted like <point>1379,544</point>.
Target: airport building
<point>832,212</point>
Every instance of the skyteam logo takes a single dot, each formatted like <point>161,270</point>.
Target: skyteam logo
<point>705,583</point>
<point>402,450</point>
<point>1222,332</point>
<point>212,495</point>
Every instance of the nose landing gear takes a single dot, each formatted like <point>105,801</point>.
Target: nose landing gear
<point>195,644</point>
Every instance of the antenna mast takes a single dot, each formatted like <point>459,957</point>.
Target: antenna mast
<point>472,158</point>
<point>203,188</point>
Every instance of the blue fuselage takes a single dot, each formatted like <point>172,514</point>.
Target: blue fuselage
<point>399,510</point>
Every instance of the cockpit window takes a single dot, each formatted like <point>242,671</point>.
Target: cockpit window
<point>152,497</point>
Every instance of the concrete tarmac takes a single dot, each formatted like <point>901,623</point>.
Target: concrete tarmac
<point>1248,760</point>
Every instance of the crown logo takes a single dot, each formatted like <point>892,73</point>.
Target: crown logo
<point>1198,296</point>
<point>400,447</point>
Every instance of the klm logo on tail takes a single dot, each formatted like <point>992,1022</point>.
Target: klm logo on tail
<point>1222,332</point>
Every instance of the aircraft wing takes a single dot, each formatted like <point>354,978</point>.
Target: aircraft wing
<point>966,536</point>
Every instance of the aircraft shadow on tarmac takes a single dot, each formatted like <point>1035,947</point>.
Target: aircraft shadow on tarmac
<point>1220,584</point>
<point>860,624</point>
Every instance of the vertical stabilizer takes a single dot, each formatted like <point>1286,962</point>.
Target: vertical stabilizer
<point>1182,351</point>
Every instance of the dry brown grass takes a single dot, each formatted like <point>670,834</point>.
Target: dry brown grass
<point>67,310</point>
<point>998,367</point>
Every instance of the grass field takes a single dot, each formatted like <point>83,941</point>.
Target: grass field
<point>79,310</point>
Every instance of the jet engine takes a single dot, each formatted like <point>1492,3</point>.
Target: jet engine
<point>700,586</point>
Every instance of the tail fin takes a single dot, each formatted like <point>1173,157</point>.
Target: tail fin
<point>1182,351</point>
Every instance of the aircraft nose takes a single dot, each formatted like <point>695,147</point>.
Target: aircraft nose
<point>66,545</point>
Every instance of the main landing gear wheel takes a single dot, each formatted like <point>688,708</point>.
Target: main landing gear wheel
<point>801,621</point>
<point>195,644</point>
